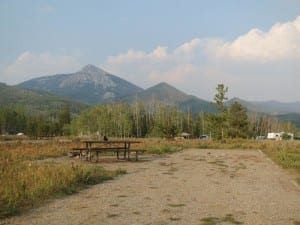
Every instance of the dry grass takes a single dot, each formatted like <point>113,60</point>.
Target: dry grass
<point>26,181</point>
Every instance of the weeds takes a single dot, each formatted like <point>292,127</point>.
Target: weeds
<point>26,181</point>
<point>284,153</point>
<point>228,219</point>
<point>113,215</point>
<point>176,205</point>
<point>163,149</point>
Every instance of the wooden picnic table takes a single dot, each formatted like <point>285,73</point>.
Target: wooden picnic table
<point>116,146</point>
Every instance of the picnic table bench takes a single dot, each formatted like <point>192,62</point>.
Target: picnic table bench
<point>115,146</point>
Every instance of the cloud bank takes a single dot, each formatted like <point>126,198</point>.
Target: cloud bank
<point>258,65</point>
<point>29,65</point>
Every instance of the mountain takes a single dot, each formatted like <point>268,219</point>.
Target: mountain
<point>269,107</point>
<point>91,85</point>
<point>276,107</point>
<point>35,101</point>
<point>288,112</point>
<point>94,85</point>
<point>169,95</point>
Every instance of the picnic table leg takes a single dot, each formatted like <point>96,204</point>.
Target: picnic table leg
<point>128,151</point>
<point>89,146</point>
<point>125,149</point>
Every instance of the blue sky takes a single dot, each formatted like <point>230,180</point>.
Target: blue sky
<point>253,47</point>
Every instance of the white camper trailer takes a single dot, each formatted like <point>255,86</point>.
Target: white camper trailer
<point>274,136</point>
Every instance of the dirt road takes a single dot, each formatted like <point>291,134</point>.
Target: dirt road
<point>190,187</point>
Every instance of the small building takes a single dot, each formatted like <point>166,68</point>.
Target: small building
<point>185,135</point>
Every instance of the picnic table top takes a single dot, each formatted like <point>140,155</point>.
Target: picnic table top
<point>110,141</point>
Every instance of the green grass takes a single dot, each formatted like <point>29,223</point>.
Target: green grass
<point>163,149</point>
<point>284,153</point>
<point>175,218</point>
<point>176,205</point>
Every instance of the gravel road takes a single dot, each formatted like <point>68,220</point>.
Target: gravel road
<point>189,187</point>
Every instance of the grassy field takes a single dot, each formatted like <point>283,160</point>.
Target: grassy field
<point>28,178</point>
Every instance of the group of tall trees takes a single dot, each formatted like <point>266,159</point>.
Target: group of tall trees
<point>144,119</point>
<point>139,120</point>
<point>154,119</point>
<point>230,122</point>
<point>15,120</point>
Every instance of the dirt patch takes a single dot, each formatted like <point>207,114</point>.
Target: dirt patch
<point>190,187</point>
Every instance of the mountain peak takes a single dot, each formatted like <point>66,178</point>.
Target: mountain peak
<point>166,89</point>
<point>91,69</point>
<point>163,84</point>
<point>90,84</point>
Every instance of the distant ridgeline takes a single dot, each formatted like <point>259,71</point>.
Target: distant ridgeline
<point>46,98</point>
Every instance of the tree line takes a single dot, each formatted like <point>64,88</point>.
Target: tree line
<point>140,119</point>
<point>155,119</point>
<point>14,120</point>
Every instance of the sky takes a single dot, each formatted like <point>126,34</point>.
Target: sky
<point>250,46</point>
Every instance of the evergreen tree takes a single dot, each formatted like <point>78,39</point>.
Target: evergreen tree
<point>219,122</point>
<point>238,121</point>
<point>220,97</point>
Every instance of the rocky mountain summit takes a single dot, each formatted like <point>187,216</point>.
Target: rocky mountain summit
<point>90,84</point>
<point>89,74</point>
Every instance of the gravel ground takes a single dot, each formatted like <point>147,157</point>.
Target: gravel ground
<point>190,187</point>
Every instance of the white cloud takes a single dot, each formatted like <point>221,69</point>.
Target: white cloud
<point>254,65</point>
<point>281,42</point>
<point>158,65</point>
<point>29,65</point>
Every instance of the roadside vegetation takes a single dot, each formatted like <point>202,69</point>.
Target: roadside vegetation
<point>27,180</point>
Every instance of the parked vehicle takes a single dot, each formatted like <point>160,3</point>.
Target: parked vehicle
<point>204,137</point>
